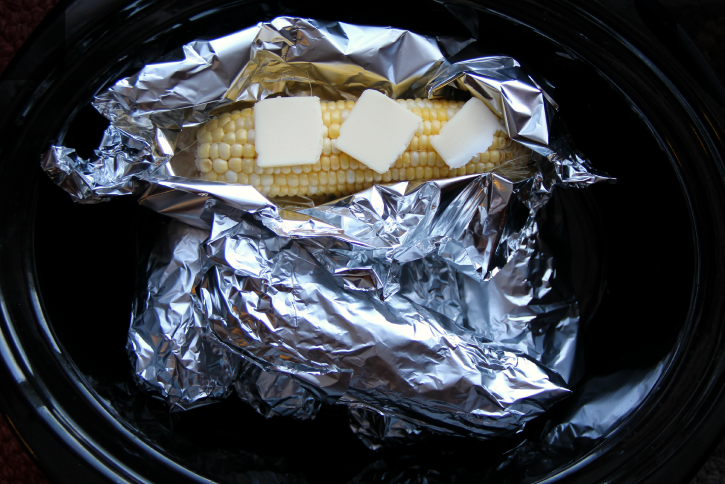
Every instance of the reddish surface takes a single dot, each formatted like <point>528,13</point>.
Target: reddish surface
<point>17,19</point>
<point>16,466</point>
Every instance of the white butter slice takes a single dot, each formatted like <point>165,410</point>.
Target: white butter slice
<point>469,132</point>
<point>377,131</point>
<point>288,131</point>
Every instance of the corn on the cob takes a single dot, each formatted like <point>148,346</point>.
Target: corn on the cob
<point>226,153</point>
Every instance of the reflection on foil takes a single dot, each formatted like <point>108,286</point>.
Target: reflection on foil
<point>448,351</point>
<point>275,394</point>
<point>425,307</point>
<point>167,341</point>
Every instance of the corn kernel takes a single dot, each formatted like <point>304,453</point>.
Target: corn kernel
<point>435,127</point>
<point>406,157</point>
<point>422,143</point>
<point>423,156</point>
<point>235,164</point>
<point>225,151</point>
<point>344,161</point>
<point>203,151</point>
<point>217,135</point>
<point>414,159</point>
<point>266,180</point>
<point>414,144</point>
<point>248,150</point>
<point>220,166</point>
<point>204,165</point>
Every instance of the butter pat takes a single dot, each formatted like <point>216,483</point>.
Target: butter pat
<point>288,131</point>
<point>469,132</point>
<point>377,131</point>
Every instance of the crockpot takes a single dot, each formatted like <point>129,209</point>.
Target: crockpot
<point>638,108</point>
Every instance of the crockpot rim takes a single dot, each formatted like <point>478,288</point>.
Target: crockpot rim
<point>9,354</point>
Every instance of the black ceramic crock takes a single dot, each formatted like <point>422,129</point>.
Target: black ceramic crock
<point>639,106</point>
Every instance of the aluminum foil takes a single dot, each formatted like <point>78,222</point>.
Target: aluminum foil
<point>147,111</point>
<point>167,342</point>
<point>423,307</point>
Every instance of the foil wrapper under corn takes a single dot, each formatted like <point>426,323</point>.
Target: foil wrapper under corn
<point>424,307</point>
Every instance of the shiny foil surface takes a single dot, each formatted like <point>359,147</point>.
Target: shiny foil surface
<point>430,307</point>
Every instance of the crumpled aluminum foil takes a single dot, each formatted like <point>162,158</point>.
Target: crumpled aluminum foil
<point>421,306</point>
<point>147,111</point>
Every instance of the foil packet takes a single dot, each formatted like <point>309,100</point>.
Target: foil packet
<point>423,307</point>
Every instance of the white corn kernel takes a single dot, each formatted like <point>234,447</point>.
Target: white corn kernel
<point>204,165</point>
<point>225,151</point>
<point>220,166</point>
<point>217,135</point>
<point>203,151</point>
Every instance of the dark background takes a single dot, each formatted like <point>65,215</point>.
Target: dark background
<point>702,21</point>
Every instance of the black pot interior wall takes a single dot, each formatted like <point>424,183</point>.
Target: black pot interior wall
<point>86,257</point>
